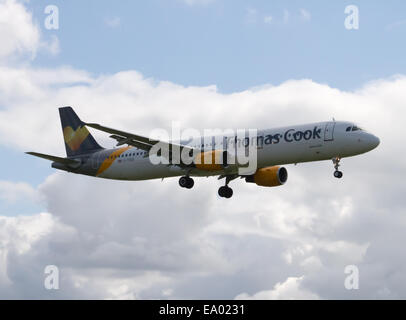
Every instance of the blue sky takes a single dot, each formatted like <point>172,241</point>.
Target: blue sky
<point>234,45</point>
<point>218,43</point>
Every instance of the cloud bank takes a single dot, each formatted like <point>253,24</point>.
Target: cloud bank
<point>154,240</point>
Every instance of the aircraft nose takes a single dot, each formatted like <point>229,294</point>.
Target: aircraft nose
<point>374,141</point>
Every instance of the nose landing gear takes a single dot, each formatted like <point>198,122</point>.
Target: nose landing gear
<point>338,174</point>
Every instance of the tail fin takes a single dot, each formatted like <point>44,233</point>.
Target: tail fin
<point>78,139</point>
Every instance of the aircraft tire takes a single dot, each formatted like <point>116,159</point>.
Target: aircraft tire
<point>183,182</point>
<point>225,192</point>
<point>190,183</point>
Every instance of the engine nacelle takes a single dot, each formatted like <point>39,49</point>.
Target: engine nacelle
<point>269,177</point>
<point>213,160</point>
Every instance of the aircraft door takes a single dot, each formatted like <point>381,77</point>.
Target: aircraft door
<point>329,131</point>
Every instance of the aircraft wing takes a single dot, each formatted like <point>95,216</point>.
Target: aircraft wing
<point>140,142</point>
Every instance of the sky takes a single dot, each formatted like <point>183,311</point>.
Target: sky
<point>138,66</point>
<point>232,44</point>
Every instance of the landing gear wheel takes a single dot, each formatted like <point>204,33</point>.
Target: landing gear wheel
<point>229,193</point>
<point>183,182</point>
<point>186,182</point>
<point>190,183</point>
<point>222,192</point>
<point>338,174</point>
<point>225,192</point>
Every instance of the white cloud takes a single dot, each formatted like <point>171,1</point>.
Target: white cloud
<point>251,16</point>
<point>113,22</point>
<point>306,16</point>
<point>13,192</point>
<point>18,235</point>
<point>17,31</point>
<point>288,290</point>
<point>52,46</point>
<point>197,2</point>
<point>268,19</point>
<point>19,35</point>
<point>288,17</point>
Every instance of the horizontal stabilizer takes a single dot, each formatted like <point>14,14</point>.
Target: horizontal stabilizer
<point>69,162</point>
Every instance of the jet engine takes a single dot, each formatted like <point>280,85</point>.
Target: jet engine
<point>269,177</point>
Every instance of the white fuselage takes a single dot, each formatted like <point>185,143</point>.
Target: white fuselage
<point>279,146</point>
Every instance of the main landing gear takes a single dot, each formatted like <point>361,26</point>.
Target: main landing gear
<point>226,191</point>
<point>338,174</point>
<point>186,182</point>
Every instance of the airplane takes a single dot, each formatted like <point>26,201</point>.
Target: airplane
<point>330,140</point>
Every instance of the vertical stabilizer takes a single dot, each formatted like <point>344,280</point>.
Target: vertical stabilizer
<point>78,139</point>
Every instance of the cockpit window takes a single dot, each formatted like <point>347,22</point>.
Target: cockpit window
<point>355,128</point>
